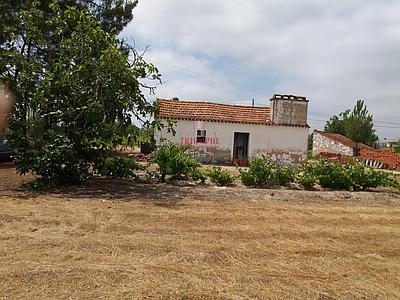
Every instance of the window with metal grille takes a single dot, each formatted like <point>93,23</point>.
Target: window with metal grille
<point>201,136</point>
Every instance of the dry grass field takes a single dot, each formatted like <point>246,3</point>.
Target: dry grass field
<point>114,239</point>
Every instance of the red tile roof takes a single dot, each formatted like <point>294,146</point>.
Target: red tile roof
<point>343,140</point>
<point>216,112</point>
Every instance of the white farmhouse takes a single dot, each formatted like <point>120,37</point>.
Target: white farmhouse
<point>222,133</point>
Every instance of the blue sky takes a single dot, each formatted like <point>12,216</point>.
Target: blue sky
<point>231,51</point>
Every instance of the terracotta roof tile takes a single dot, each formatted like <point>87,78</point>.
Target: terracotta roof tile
<point>207,111</point>
<point>343,140</point>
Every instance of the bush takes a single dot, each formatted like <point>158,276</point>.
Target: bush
<point>172,160</point>
<point>220,177</point>
<point>55,162</point>
<point>307,180</point>
<point>248,179</point>
<point>118,167</point>
<point>344,177</point>
<point>283,176</point>
<point>364,178</point>
<point>260,172</point>
<point>329,174</point>
<point>199,175</point>
<point>333,175</point>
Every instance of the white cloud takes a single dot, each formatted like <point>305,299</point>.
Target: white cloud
<point>333,52</point>
<point>188,77</point>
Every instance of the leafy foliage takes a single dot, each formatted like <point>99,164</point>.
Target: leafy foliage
<point>199,175</point>
<point>357,125</point>
<point>283,176</point>
<point>364,178</point>
<point>307,180</point>
<point>114,15</point>
<point>333,175</point>
<point>260,172</point>
<point>263,171</point>
<point>118,167</point>
<point>344,177</point>
<point>220,177</point>
<point>336,123</point>
<point>76,87</point>
<point>172,160</point>
<point>56,163</point>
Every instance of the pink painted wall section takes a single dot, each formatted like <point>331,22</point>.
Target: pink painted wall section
<point>211,141</point>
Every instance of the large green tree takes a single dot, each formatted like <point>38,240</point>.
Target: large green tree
<point>76,88</point>
<point>356,124</point>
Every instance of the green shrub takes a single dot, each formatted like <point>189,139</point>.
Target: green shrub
<point>248,179</point>
<point>171,160</point>
<point>260,172</point>
<point>118,167</point>
<point>283,176</point>
<point>220,177</point>
<point>199,175</point>
<point>364,178</point>
<point>54,161</point>
<point>333,175</point>
<point>307,180</point>
<point>344,177</point>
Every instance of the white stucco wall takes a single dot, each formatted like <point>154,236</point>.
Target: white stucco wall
<point>324,144</point>
<point>288,145</point>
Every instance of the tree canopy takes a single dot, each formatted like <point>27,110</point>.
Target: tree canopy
<point>336,123</point>
<point>359,125</point>
<point>76,86</point>
<point>356,124</point>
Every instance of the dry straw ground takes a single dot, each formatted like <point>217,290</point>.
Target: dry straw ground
<point>118,240</point>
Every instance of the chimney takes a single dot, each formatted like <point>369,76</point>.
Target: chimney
<point>289,110</point>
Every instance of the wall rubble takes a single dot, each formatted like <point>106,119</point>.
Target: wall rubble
<point>391,159</point>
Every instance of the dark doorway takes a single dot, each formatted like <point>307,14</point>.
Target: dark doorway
<point>241,149</point>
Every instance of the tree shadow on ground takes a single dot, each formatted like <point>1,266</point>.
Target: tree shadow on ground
<point>160,194</point>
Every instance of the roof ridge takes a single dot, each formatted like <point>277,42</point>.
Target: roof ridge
<point>213,103</point>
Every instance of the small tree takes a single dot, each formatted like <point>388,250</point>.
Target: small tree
<point>359,125</point>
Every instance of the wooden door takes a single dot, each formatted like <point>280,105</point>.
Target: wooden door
<point>241,149</point>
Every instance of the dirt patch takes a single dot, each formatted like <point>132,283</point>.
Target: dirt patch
<point>116,239</point>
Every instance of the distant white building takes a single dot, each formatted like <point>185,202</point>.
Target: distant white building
<point>222,133</point>
<point>387,143</point>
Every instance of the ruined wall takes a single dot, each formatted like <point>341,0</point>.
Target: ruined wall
<point>324,144</point>
<point>288,145</point>
<point>390,159</point>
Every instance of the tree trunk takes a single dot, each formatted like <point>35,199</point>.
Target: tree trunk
<point>356,152</point>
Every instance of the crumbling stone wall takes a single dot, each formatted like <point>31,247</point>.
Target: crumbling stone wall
<point>288,158</point>
<point>324,144</point>
<point>211,155</point>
